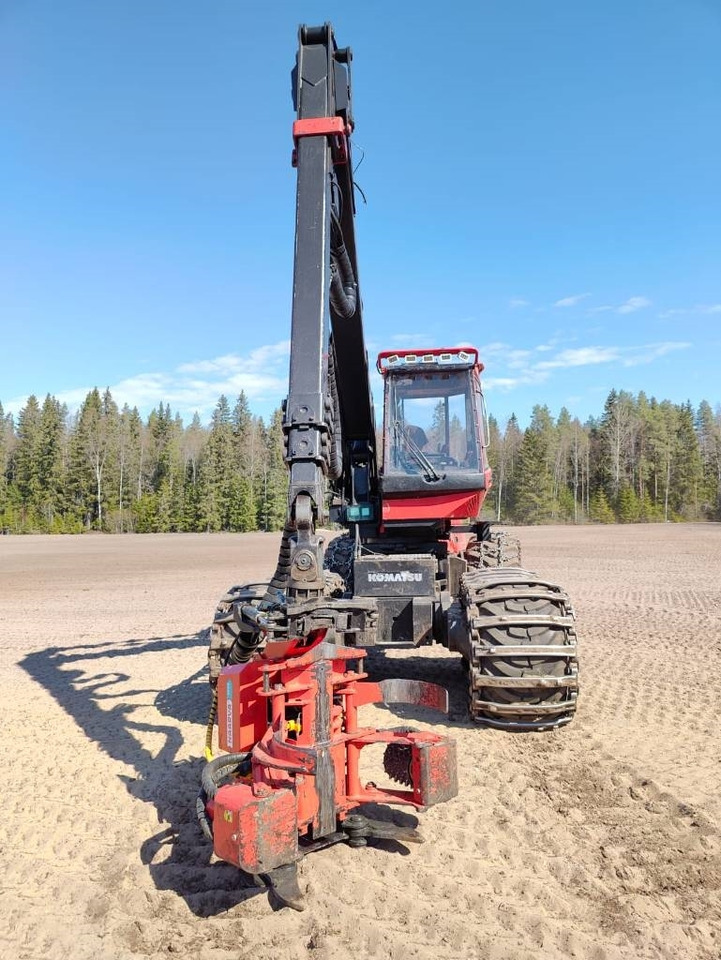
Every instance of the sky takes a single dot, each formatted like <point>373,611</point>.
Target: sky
<point>542,181</point>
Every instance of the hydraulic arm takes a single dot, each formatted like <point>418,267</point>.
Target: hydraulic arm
<point>329,421</point>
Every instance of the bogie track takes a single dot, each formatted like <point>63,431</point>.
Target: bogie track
<point>523,668</point>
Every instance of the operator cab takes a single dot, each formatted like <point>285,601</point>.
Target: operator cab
<point>433,433</point>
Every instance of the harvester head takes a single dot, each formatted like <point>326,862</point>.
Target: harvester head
<point>289,720</point>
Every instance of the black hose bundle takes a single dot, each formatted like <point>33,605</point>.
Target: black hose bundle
<point>214,773</point>
<point>335,453</point>
<point>277,586</point>
<point>343,286</point>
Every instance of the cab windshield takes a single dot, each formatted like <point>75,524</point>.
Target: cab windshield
<point>431,427</point>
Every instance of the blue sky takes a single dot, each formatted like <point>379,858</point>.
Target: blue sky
<point>542,181</point>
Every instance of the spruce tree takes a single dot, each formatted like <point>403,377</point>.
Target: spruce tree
<point>708,430</point>
<point>600,510</point>
<point>508,470</point>
<point>8,492</point>
<point>628,508</point>
<point>274,490</point>
<point>216,471</point>
<point>51,468</point>
<point>534,492</point>
<point>26,466</point>
<point>688,470</point>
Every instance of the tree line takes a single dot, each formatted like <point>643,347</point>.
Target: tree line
<point>105,468</point>
<point>640,460</point>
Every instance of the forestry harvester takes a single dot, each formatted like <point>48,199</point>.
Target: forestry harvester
<point>417,565</point>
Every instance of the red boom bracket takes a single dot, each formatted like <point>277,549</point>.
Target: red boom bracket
<point>334,128</point>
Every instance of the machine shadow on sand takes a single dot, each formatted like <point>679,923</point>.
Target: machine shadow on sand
<point>112,716</point>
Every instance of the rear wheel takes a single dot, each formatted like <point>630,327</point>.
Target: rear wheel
<point>523,668</point>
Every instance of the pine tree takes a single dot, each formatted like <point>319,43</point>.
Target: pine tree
<point>128,450</point>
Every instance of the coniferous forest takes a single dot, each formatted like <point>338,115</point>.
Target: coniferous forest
<point>104,468</point>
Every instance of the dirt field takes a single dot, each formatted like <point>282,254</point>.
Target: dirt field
<point>599,841</point>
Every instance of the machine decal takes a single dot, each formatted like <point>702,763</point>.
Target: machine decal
<point>229,714</point>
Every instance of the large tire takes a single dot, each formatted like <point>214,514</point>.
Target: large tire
<point>523,667</point>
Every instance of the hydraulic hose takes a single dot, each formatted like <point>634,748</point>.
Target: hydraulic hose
<point>279,580</point>
<point>221,767</point>
<point>343,285</point>
<point>208,752</point>
<point>335,457</point>
<point>214,773</point>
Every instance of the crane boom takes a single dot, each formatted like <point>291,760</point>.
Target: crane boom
<point>329,420</point>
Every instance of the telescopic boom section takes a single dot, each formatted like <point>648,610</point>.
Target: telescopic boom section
<point>329,421</point>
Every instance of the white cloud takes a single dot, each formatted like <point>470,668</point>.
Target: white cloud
<point>634,356</point>
<point>571,301</point>
<point>262,374</point>
<point>412,340</point>
<point>517,359</point>
<point>633,304</point>
<point>516,302</point>
<point>527,371</point>
<point>509,383</point>
<point>704,308</point>
<point>580,357</point>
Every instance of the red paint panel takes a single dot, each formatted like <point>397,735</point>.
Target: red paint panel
<point>434,769</point>
<point>441,506</point>
<point>319,126</point>
<point>257,834</point>
<point>242,712</point>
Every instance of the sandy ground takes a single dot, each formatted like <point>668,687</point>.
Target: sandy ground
<point>598,841</point>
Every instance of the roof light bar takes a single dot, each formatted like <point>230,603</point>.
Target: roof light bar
<point>438,357</point>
